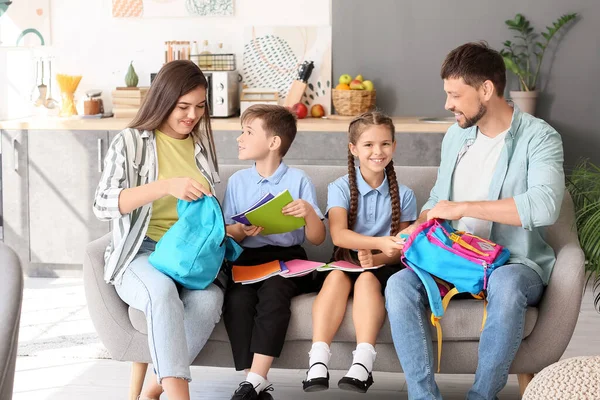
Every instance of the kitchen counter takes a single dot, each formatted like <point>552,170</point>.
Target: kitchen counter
<point>403,124</point>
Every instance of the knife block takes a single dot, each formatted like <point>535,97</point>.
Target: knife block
<point>295,94</point>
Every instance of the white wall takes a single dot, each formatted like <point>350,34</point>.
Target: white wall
<point>87,41</point>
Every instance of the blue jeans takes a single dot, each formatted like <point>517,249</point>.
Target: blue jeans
<point>511,289</point>
<point>180,320</point>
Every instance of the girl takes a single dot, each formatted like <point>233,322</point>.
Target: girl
<point>175,159</point>
<point>366,208</point>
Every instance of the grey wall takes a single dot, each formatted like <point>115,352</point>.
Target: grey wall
<point>400,45</point>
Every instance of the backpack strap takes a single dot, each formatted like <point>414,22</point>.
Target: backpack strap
<point>481,296</point>
<point>435,321</point>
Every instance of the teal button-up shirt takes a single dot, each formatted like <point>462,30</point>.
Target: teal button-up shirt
<point>530,170</point>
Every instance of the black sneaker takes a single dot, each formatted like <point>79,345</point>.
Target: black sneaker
<point>245,392</point>
<point>264,395</point>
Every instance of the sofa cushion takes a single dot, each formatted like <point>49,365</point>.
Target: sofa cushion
<point>462,322</point>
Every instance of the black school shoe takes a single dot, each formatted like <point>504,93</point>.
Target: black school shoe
<point>356,385</point>
<point>246,391</point>
<point>316,384</point>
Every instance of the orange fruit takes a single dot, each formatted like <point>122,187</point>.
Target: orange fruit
<point>342,86</point>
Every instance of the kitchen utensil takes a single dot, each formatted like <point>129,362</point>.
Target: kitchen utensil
<point>42,89</point>
<point>299,86</point>
<point>50,102</point>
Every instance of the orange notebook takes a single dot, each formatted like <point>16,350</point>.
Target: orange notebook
<point>255,273</point>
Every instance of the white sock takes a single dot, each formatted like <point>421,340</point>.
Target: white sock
<point>364,354</point>
<point>257,381</point>
<point>318,353</point>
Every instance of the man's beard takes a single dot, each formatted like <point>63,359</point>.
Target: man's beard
<point>469,122</point>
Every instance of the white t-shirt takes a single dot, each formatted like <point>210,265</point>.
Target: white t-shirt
<point>473,176</point>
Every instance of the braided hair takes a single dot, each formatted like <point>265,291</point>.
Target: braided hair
<point>358,125</point>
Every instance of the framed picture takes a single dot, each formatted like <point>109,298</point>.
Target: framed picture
<point>24,23</point>
<point>171,8</point>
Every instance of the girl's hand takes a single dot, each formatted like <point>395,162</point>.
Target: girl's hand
<point>389,246</point>
<point>298,208</point>
<point>251,230</point>
<point>366,258</point>
<point>186,189</point>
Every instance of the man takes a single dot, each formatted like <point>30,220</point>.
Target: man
<point>500,177</point>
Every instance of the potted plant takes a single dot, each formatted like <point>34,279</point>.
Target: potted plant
<point>584,186</point>
<point>524,58</point>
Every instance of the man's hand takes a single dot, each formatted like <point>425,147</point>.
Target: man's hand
<point>389,246</point>
<point>251,230</point>
<point>450,210</point>
<point>298,208</point>
<point>365,257</point>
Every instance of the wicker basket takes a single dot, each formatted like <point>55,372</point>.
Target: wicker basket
<point>353,102</point>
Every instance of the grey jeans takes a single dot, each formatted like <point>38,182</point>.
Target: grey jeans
<point>180,320</point>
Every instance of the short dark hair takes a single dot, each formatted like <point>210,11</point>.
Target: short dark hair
<point>276,121</point>
<point>476,63</point>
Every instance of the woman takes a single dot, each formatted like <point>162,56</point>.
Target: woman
<point>166,153</point>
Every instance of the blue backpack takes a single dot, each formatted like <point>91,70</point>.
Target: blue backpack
<point>192,251</point>
<point>449,262</point>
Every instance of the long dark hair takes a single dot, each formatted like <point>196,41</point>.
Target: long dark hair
<point>175,79</point>
<point>356,128</point>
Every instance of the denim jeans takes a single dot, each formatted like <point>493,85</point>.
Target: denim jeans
<point>511,289</point>
<point>180,320</point>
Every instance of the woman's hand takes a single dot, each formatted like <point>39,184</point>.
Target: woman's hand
<point>186,189</point>
<point>298,208</point>
<point>251,230</point>
<point>365,257</point>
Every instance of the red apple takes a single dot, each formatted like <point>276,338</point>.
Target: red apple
<point>300,110</point>
<point>317,111</point>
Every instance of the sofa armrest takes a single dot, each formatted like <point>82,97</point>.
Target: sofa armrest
<point>108,312</point>
<point>11,297</point>
<point>560,305</point>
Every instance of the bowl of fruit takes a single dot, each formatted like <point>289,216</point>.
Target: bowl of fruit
<point>353,96</point>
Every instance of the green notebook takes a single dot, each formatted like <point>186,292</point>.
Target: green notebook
<point>270,217</point>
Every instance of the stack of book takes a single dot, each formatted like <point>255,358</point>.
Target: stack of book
<point>128,100</point>
<point>289,269</point>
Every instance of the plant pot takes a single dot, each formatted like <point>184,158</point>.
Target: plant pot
<point>526,101</point>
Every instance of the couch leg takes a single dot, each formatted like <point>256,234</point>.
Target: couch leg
<point>524,380</point>
<point>138,374</point>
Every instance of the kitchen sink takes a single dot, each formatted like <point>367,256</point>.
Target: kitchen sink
<point>438,120</point>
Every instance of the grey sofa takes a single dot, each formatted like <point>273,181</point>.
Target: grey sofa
<point>548,328</point>
<point>11,296</point>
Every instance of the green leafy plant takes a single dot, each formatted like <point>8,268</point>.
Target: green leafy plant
<point>584,186</point>
<point>519,57</point>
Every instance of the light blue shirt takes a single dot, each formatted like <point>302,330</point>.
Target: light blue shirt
<point>374,213</point>
<point>530,170</point>
<point>246,187</point>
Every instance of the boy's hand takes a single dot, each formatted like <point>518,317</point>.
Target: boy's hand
<point>251,230</point>
<point>366,258</point>
<point>298,208</point>
<point>389,245</point>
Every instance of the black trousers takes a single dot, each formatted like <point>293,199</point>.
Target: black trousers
<point>257,315</point>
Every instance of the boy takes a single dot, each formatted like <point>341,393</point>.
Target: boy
<point>257,315</point>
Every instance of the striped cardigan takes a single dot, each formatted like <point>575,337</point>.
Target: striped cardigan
<point>131,161</point>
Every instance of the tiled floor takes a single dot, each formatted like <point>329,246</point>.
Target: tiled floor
<point>59,339</point>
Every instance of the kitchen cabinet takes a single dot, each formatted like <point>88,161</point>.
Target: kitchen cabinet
<point>48,188</point>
